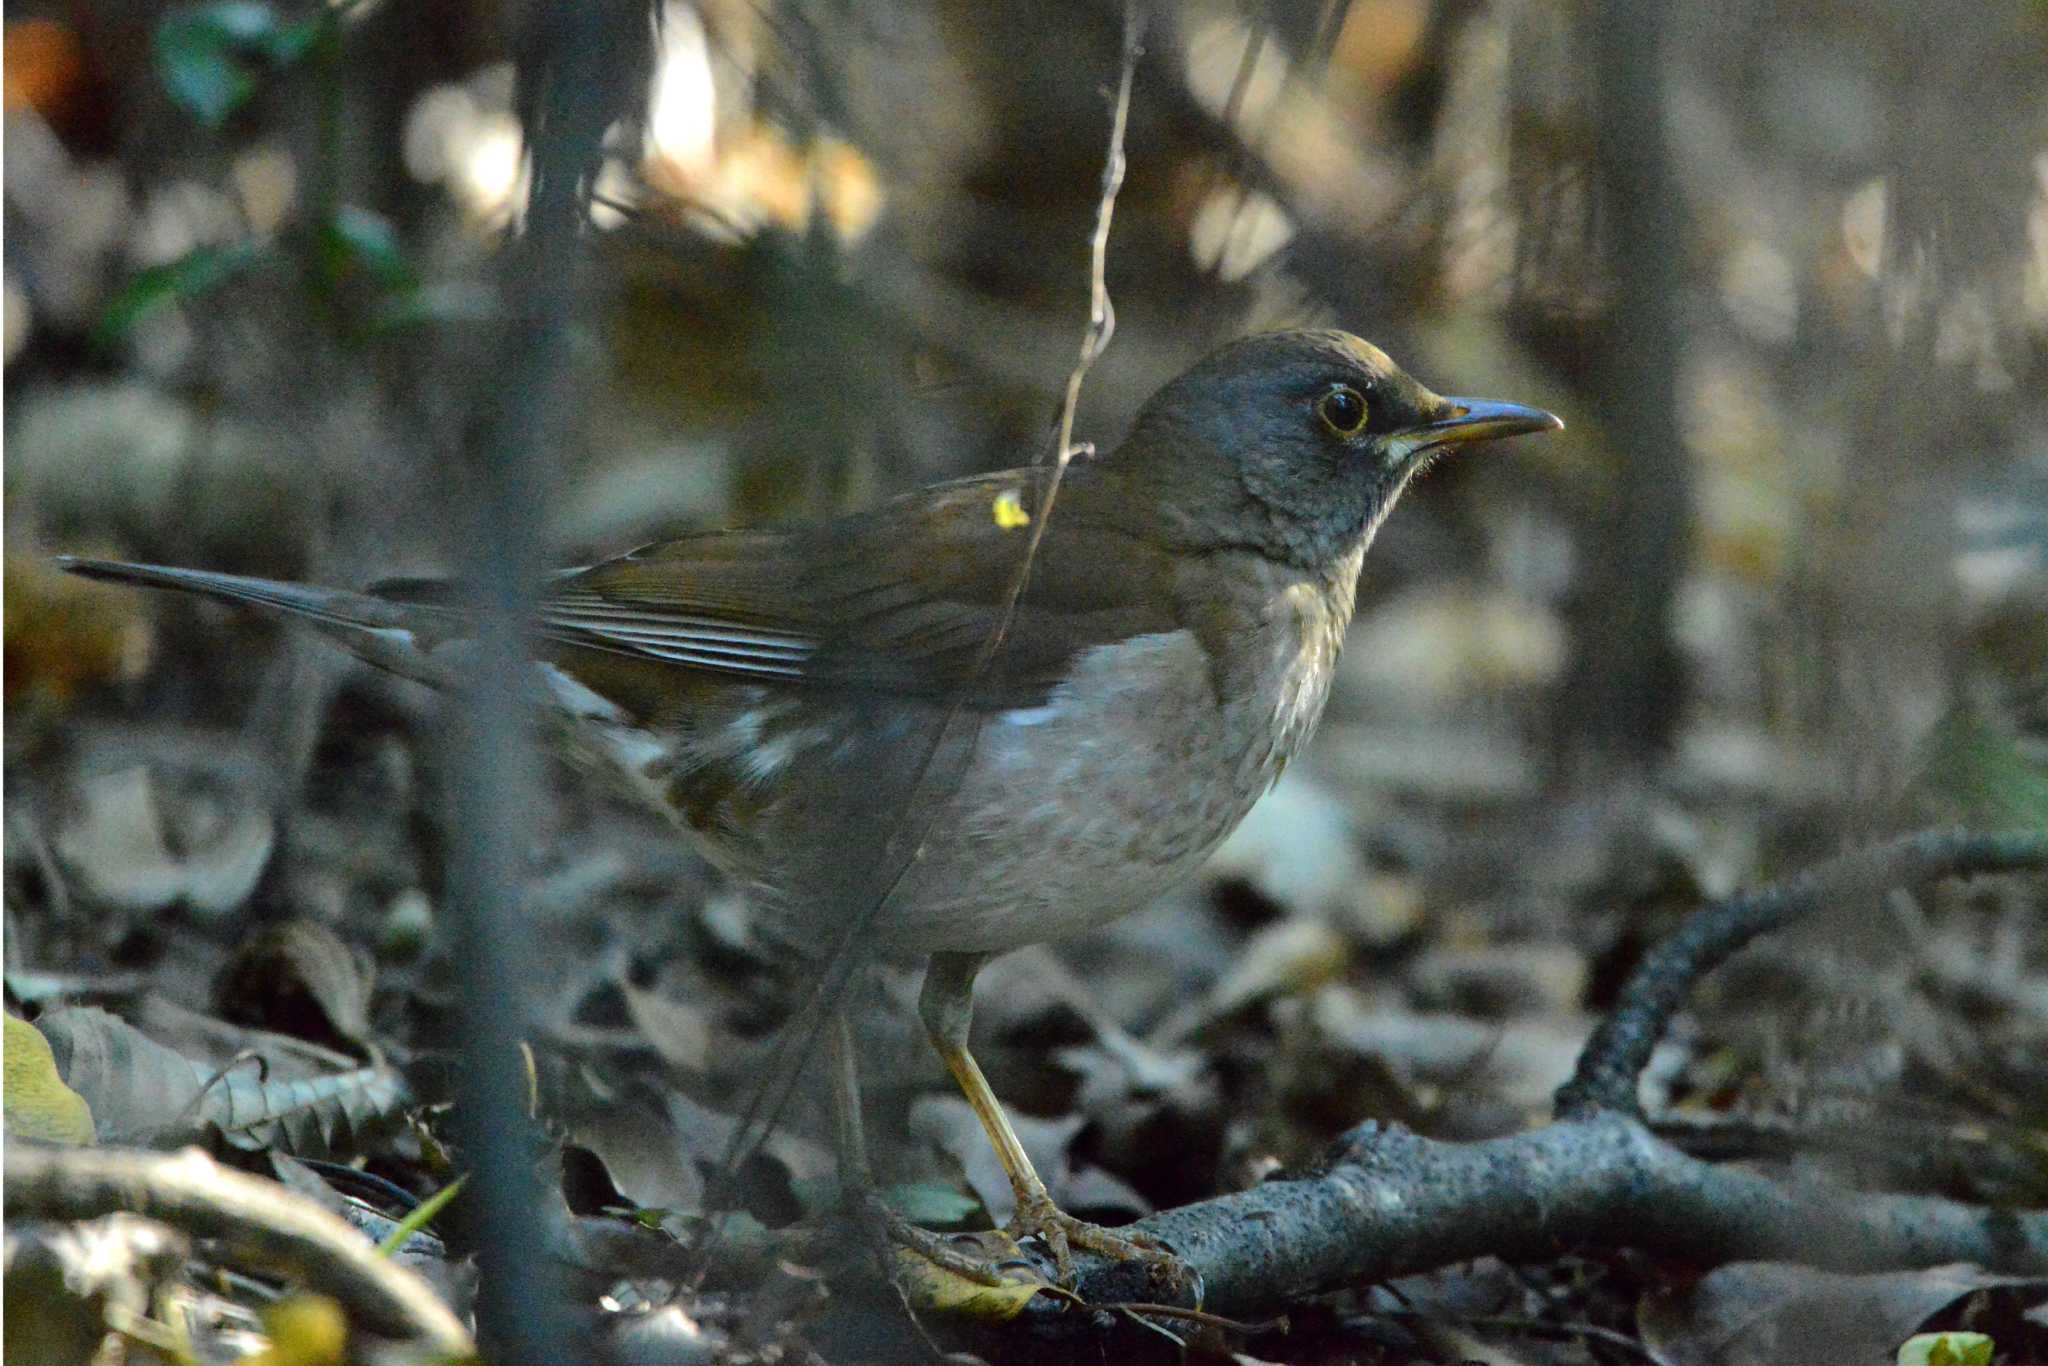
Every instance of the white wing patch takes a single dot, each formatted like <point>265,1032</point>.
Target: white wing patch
<point>675,637</point>
<point>635,754</point>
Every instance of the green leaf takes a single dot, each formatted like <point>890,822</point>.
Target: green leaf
<point>200,53</point>
<point>175,282</point>
<point>1946,1349</point>
<point>358,237</point>
<point>453,302</point>
<point>931,1204</point>
<point>421,1215</point>
<point>1978,771</point>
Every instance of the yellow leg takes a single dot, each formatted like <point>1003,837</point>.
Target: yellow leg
<point>947,1009</point>
<point>1025,1182</point>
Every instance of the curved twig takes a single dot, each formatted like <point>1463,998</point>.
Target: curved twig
<point>1614,1058</point>
<point>258,1220</point>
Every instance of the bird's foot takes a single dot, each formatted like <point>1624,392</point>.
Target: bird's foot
<point>1063,1235</point>
<point>990,1259</point>
<point>978,1275</point>
<point>992,1275</point>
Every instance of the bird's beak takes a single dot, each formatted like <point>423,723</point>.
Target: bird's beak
<point>1462,420</point>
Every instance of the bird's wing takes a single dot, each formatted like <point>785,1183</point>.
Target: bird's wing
<point>899,601</point>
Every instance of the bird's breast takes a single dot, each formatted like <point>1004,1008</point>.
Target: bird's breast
<point>1116,788</point>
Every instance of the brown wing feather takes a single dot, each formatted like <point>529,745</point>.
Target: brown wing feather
<point>900,600</point>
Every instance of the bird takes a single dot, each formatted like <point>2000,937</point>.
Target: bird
<point>1093,671</point>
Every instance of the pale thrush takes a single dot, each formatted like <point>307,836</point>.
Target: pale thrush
<point>782,692</point>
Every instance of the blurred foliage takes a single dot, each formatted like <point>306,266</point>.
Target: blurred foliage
<point>184,280</point>
<point>204,52</point>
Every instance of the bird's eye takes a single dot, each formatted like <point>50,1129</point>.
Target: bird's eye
<point>1342,410</point>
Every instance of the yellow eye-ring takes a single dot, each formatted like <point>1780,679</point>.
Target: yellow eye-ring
<point>1343,410</point>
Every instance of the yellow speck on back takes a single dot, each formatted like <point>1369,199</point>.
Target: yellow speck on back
<point>1009,511</point>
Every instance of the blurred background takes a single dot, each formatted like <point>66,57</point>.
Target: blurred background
<point>1781,584</point>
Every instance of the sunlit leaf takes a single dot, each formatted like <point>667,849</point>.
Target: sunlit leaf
<point>304,1330</point>
<point>1946,1349</point>
<point>39,1104</point>
<point>938,1290</point>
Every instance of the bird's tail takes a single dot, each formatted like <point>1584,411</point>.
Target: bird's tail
<point>403,631</point>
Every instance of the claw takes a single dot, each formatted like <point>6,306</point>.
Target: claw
<point>979,1275</point>
<point>1062,1233</point>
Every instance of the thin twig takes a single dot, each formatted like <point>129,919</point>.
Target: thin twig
<point>192,1106</point>
<point>1515,1323</point>
<point>567,98</point>
<point>1247,1328</point>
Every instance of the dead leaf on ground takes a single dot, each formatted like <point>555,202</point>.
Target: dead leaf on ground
<point>1290,957</point>
<point>642,1156</point>
<point>1751,1312</point>
<point>1501,981</point>
<point>148,1095</point>
<point>65,634</point>
<point>68,1284</point>
<point>1301,849</point>
<point>948,1123</point>
<point>116,847</point>
<point>678,1030</point>
<point>934,1289</point>
<point>1433,1051</point>
<point>299,978</point>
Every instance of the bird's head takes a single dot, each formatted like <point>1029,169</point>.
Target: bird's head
<point>1300,442</point>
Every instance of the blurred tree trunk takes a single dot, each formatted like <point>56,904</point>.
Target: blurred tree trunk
<point>1624,700</point>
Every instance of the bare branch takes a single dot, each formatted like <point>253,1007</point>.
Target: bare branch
<point>1388,1203</point>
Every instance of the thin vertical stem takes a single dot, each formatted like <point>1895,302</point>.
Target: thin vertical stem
<point>521,1308</point>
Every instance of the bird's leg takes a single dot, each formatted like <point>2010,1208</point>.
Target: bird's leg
<point>848,1128</point>
<point>946,1006</point>
<point>858,1177</point>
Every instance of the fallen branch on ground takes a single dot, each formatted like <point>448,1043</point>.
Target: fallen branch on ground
<point>1384,1202</point>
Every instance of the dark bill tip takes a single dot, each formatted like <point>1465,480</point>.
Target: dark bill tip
<point>1480,419</point>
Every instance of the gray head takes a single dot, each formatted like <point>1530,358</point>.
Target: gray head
<point>1296,444</point>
